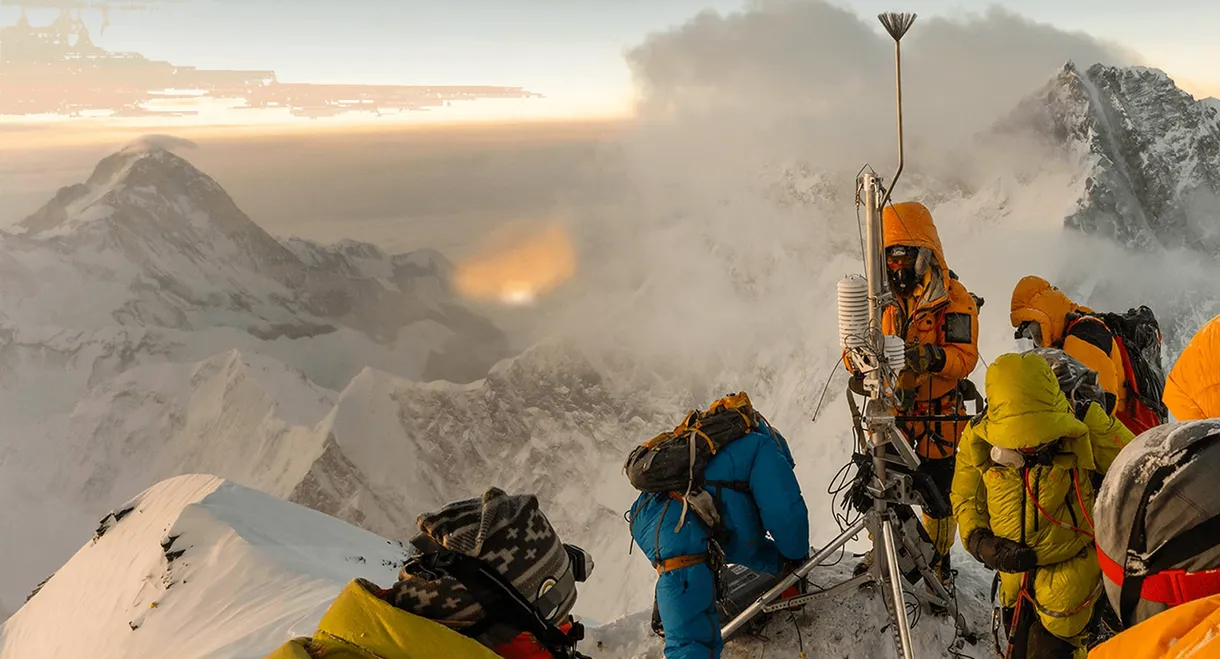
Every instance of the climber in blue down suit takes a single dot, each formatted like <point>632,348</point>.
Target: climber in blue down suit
<point>772,504</point>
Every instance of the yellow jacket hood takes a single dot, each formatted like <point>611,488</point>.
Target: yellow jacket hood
<point>1025,407</point>
<point>359,625</point>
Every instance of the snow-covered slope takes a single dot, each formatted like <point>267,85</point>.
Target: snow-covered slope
<point>377,453</point>
<point>197,567</point>
<point>846,625</point>
<point>1153,154</point>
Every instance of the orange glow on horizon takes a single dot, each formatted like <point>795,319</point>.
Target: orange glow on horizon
<point>518,270</point>
<point>29,133</point>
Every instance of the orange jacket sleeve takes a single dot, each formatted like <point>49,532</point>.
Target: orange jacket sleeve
<point>1192,390</point>
<point>959,334</point>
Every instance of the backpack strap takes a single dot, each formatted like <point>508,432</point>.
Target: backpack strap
<point>502,603</point>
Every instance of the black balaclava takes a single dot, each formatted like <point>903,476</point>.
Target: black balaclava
<point>900,265</point>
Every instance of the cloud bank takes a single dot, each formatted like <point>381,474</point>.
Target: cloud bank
<point>805,76</point>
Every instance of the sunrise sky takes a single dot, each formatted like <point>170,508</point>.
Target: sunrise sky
<point>570,51</point>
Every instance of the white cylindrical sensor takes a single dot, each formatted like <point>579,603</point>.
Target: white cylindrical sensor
<point>853,312</point>
<point>895,352</point>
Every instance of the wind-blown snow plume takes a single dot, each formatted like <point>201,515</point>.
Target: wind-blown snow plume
<point>160,141</point>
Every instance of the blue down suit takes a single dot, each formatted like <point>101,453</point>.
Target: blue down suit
<point>773,505</point>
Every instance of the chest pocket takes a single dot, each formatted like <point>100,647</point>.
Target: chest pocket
<point>925,328</point>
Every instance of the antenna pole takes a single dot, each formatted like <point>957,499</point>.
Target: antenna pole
<point>897,25</point>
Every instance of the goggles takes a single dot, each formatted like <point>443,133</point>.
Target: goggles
<point>900,256</point>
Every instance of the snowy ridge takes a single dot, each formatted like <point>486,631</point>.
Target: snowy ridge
<point>197,567</point>
<point>375,454</point>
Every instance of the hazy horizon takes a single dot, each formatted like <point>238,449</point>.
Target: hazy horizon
<point>249,67</point>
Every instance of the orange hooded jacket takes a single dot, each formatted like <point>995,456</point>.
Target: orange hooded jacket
<point>1085,338</point>
<point>1192,390</point>
<point>1187,630</point>
<point>940,311</point>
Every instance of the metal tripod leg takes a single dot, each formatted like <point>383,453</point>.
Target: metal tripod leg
<point>900,609</point>
<point>791,580</point>
<point>933,581</point>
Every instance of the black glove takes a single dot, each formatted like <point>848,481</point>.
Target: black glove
<point>1001,554</point>
<point>925,358</point>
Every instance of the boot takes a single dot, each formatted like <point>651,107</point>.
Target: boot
<point>656,620</point>
<point>865,564</point>
<point>941,569</point>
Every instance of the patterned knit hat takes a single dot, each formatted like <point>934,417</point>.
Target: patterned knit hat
<point>511,534</point>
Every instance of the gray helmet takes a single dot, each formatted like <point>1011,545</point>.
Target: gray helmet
<point>1078,382</point>
<point>1157,520</point>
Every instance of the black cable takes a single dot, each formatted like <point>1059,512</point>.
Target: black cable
<point>957,629</point>
<point>826,387</point>
<point>912,605</point>
<point>800,638</point>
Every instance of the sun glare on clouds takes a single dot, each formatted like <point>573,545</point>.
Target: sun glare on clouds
<point>519,265</point>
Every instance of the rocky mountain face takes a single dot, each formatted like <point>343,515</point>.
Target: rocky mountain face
<point>1153,152</point>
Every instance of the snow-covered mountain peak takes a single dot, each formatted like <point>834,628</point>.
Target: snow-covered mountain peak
<point>151,201</point>
<point>144,164</point>
<point>151,241</point>
<point>1152,153</point>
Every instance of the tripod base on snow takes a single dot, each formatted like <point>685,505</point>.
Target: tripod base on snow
<point>901,551</point>
<point>883,525</point>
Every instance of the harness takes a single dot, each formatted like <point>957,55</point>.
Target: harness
<point>679,562</point>
<point>1026,597</point>
<point>933,413</point>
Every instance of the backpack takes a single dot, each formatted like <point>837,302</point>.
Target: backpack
<point>1138,335</point>
<point>1077,382</point>
<point>673,462</point>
